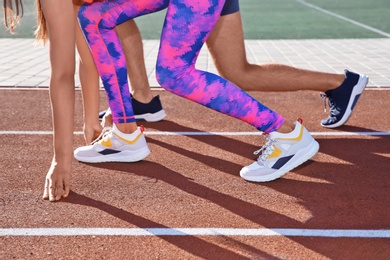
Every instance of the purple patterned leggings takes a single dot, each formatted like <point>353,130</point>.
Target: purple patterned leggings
<point>187,25</point>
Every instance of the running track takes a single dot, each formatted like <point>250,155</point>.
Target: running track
<point>186,200</point>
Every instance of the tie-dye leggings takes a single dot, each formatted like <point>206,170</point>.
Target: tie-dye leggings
<point>187,25</point>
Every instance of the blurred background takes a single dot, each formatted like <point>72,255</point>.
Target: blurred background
<point>275,19</point>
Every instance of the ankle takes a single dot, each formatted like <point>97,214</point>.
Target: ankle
<point>125,128</point>
<point>143,96</point>
<point>286,128</point>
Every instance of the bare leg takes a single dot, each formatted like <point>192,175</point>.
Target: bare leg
<point>60,20</point>
<point>131,40</point>
<point>226,45</point>
<point>89,79</point>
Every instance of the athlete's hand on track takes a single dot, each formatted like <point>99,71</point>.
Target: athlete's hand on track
<point>57,182</point>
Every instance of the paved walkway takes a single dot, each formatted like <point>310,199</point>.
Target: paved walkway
<point>23,65</point>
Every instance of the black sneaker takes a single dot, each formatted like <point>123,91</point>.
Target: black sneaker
<point>150,112</point>
<point>343,99</point>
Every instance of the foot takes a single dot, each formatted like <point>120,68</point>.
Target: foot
<point>343,99</point>
<point>149,112</point>
<point>280,154</point>
<point>110,147</point>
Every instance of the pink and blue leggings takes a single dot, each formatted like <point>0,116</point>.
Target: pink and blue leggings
<point>187,25</point>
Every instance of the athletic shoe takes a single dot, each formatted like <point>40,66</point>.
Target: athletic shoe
<point>149,112</point>
<point>343,99</point>
<point>110,147</point>
<point>102,114</point>
<point>280,154</point>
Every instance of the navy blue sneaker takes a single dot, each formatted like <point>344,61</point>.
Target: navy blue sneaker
<point>343,99</point>
<point>150,112</point>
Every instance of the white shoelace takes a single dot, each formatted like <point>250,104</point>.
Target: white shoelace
<point>324,97</point>
<point>103,135</point>
<point>332,106</point>
<point>266,150</point>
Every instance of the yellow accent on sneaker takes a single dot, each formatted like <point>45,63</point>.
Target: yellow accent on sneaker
<point>128,141</point>
<point>276,153</point>
<point>106,143</point>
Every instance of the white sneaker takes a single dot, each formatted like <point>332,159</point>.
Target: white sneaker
<point>280,154</point>
<point>109,147</point>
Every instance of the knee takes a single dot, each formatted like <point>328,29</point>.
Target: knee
<point>88,15</point>
<point>168,77</point>
<point>235,73</point>
<point>234,76</point>
<point>63,74</point>
<point>240,74</point>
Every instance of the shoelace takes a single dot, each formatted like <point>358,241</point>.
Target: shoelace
<point>266,150</point>
<point>330,101</point>
<point>324,97</point>
<point>332,105</point>
<point>103,135</point>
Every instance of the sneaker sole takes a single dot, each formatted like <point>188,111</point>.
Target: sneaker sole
<point>299,158</point>
<point>155,117</point>
<point>125,156</point>
<point>356,92</point>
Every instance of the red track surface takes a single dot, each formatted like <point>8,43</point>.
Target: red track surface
<point>193,182</point>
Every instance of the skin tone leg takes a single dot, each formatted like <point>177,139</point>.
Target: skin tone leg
<point>60,21</point>
<point>226,45</point>
<point>131,42</point>
<point>89,79</point>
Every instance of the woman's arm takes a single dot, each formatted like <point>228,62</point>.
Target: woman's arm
<point>60,20</point>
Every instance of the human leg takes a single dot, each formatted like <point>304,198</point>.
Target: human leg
<point>60,22</point>
<point>126,141</point>
<point>89,80</point>
<point>131,41</point>
<point>146,107</point>
<point>226,45</point>
<point>176,72</point>
<point>114,68</point>
<point>144,104</point>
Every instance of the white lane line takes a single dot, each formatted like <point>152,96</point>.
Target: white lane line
<point>150,133</point>
<point>367,27</point>
<point>337,233</point>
